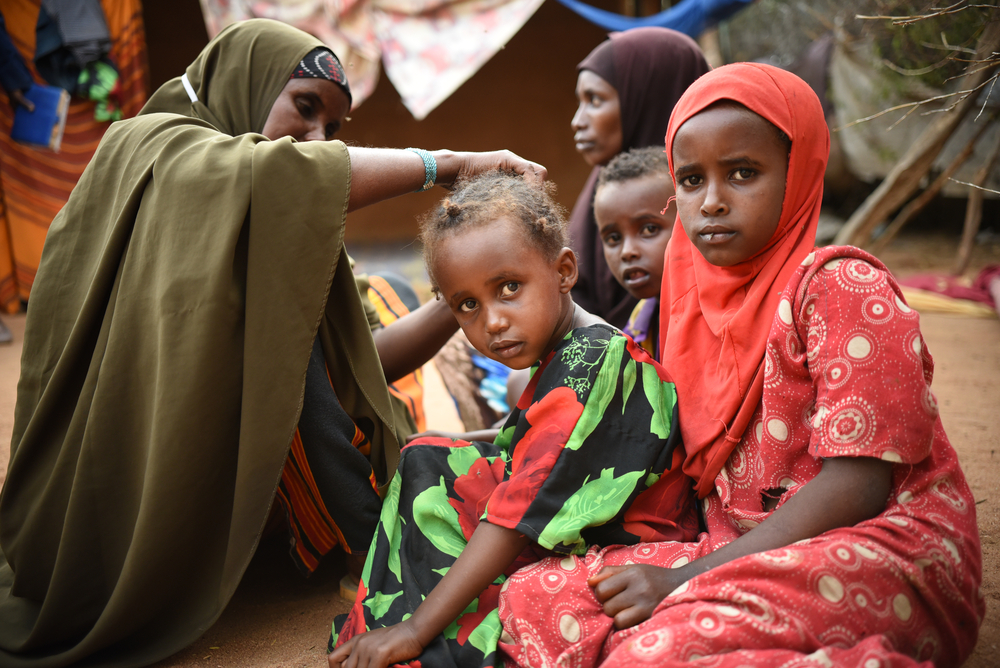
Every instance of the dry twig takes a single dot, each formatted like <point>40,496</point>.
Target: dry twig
<point>963,93</point>
<point>909,20</point>
<point>916,73</point>
<point>918,203</point>
<point>974,211</point>
<point>973,185</point>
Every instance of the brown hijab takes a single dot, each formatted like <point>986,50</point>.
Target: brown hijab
<point>650,68</point>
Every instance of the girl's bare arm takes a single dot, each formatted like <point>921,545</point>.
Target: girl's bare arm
<point>848,490</point>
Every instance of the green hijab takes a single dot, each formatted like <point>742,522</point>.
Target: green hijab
<point>171,322</point>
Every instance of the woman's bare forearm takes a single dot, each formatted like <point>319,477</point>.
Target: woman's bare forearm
<point>382,173</point>
<point>408,343</point>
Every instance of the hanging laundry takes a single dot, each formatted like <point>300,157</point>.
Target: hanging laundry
<point>428,47</point>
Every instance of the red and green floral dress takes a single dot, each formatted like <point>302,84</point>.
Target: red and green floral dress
<point>590,456</point>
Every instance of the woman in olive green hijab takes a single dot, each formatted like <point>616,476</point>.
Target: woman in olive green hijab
<point>195,274</point>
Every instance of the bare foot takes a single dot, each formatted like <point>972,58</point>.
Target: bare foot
<point>349,583</point>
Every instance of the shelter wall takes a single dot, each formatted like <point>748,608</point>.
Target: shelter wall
<point>522,100</point>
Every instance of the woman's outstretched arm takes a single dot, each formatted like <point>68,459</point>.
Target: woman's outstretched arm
<point>848,490</point>
<point>382,173</point>
<point>406,344</point>
<point>491,550</point>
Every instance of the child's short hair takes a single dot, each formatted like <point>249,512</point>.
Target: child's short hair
<point>635,164</point>
<point>489,196</point>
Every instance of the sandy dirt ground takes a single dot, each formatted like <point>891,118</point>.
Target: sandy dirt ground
<point>278,618</point>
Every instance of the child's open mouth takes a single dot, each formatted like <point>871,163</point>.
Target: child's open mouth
<point>635,277</point>
<point>507,349</point>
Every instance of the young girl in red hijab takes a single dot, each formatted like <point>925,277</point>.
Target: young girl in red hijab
<point>839,525</point>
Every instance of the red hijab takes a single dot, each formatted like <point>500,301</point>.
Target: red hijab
<point>714,321</point>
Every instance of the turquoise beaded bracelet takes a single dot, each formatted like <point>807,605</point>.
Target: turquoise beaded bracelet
<point>430,168</point>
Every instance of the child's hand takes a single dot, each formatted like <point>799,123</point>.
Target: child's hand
<point>380,648</point>
<point>631,593</point>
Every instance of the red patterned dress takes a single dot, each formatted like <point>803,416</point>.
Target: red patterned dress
<point>847,374</point>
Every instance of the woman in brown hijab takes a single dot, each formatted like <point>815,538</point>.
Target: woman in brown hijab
<point>627,88</point>
<point>191,287</point>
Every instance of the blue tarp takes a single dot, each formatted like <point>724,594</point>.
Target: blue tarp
<point>690,17</point>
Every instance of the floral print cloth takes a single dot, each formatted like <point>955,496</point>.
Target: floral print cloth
<point>428,47</point>
<point>582,461</point>
<point>847,374</point>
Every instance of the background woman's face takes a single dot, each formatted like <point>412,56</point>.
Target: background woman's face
<point>307,110</point>
<point>597,124</point>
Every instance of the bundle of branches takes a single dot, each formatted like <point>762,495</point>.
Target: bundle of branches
<point>917,38</point>
<point>976,68</point>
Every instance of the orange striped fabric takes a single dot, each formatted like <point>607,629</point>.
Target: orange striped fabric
<point>410,388</point>
<point>311,524</point>
<point>35,183</point>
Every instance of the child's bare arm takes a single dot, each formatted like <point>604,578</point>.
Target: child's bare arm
<point>848,490</point>
<point>489,552</point>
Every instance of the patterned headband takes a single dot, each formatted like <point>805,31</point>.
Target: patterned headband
<point>320,63</point>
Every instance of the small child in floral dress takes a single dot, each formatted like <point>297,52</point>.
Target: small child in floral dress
<point>589,456</point>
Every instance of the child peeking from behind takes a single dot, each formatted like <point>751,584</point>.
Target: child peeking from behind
<point>634,208</point>
<point>588,457</point>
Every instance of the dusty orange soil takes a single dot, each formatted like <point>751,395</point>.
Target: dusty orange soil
<point>278,618</point>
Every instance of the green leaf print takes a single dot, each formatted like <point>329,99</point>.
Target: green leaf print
<point>504,438</point>
<point>600,396</point>
<point>487,633</point>
<point>380,603</point>
<point>393,561</point>
<point>594,504</point>
<point>391,524</point>
<point>573,354</point>
<point>628,382</point>
<point>461,459</point>
<point>438,521</point>
<point>662,397</point>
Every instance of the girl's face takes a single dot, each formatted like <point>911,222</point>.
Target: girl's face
<point>510,300</point>
<point>633,232</point>
<point>307,110</point>
<point>597,124</point>
<point>730,168</point>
